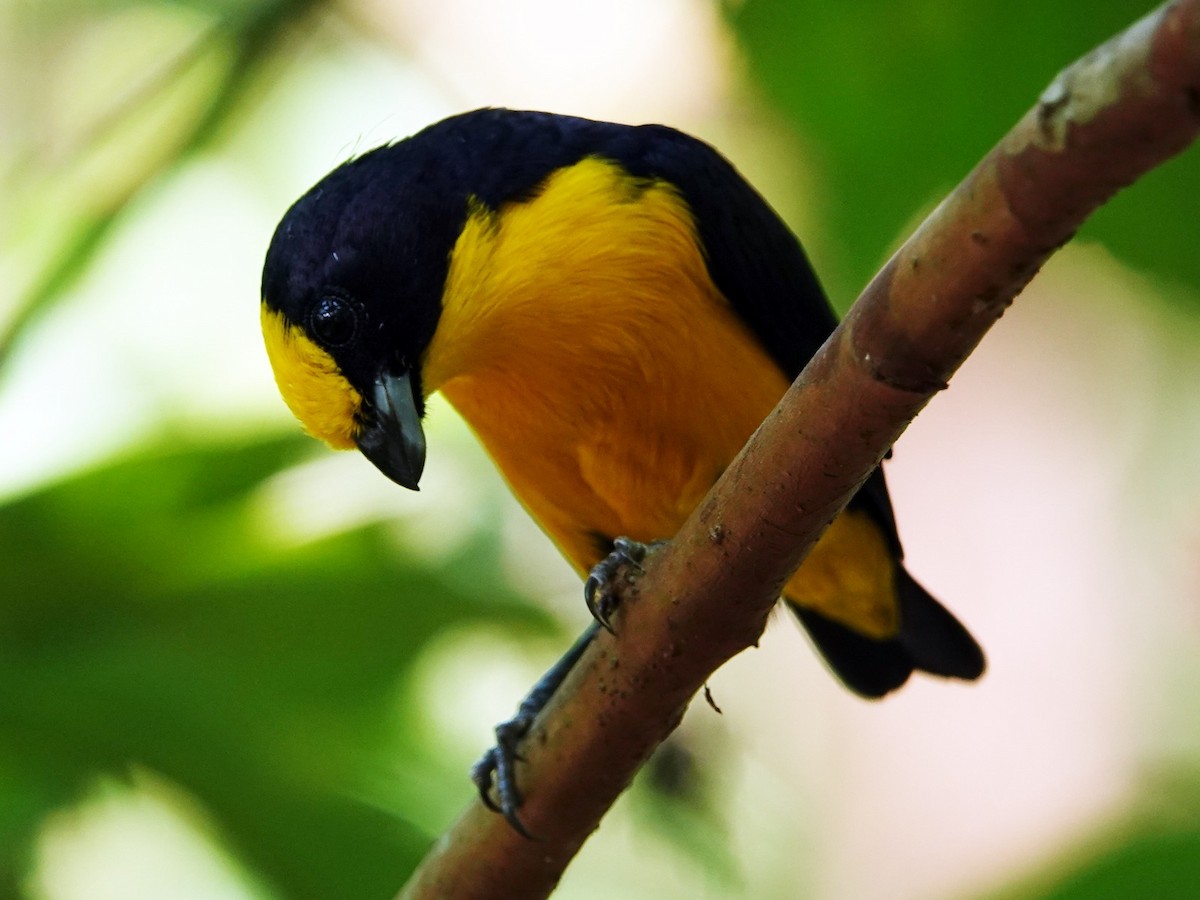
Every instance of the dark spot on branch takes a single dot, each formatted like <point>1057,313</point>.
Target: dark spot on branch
<point>1193,100</point>
<point>1053,101</point>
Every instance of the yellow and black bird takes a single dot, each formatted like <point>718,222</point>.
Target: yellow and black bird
<point>613,310</point>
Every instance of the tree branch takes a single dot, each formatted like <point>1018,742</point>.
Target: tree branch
<point>1121,110</point>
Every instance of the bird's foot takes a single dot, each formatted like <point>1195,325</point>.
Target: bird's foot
<point>497,767</point>
<point>600,590</point>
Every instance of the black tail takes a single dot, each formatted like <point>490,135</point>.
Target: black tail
<point>930,640</point>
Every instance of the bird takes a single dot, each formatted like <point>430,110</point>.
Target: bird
<point>612,309</point>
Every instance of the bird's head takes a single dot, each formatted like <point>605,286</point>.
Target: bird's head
<point>351,295</point>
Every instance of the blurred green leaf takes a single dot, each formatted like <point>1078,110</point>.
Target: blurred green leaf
<point>899,101</point>
<point>147,623</point>
<point>1153,851</point>
<point>1163,866</point>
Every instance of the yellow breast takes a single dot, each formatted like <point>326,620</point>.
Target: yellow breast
<point>584,342</point>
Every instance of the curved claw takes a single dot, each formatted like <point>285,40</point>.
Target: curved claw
<point>498,767</point>
<point>597,595</point>
<point>481,777</point>
<point>599,592</point>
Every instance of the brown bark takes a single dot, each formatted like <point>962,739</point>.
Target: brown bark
<point>1118,112</point>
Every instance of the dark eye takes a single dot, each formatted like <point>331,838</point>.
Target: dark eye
<point>334,321</point>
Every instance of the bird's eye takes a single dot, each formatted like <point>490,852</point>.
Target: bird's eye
<point>334,321</point>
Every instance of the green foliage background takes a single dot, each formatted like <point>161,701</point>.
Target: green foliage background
<point>147,625</point>
<point>902,99</point>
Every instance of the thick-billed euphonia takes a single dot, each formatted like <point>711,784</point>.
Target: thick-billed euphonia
<point>613,310</point>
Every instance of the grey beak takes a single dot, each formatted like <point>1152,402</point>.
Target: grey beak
<point>393,438</point>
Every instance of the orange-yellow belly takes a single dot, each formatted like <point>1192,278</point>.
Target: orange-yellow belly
<point>635,456</point>
<point>583,341</point>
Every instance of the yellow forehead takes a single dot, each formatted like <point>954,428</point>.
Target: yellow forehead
<point>312,386</point>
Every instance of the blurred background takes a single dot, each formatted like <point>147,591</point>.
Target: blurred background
<point>236,665</point>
